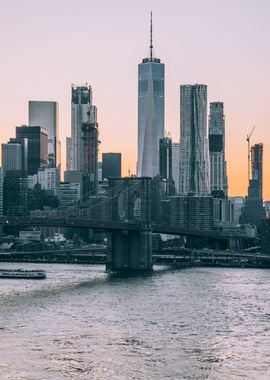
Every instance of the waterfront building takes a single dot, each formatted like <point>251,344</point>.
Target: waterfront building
<point>37,138</point>
<point>15,193</point>
<point>111,165</point>
<point>175,165</point>
<point>45,115</point>
<point>194,168</point>
<point>218,165</point>
<point>150,113</point>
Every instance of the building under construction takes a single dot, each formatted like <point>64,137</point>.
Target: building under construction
<point>253,211</point>
<point>90,153</point>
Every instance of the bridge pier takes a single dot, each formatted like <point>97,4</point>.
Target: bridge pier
<point>129,250</point>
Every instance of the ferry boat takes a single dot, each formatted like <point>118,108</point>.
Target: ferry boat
<point>23,274</point>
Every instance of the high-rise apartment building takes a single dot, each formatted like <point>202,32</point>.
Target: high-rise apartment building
<point>111,165</point>
<point>90,153</point>
<point>150,113</point>
<point>81,102</point>
<point>175,165</point>
<point>218,165</point>
<point>194,170</point>
<point>45,115</point>
<point>253,211</point>
<point>37,138</point>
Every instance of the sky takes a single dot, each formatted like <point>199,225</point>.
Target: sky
<point>48,45</point>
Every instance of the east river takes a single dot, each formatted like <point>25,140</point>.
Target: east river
<point>81,323</point>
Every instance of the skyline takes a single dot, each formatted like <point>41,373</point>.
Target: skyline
<point>48,56</point>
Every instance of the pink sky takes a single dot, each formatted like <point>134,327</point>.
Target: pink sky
<point>47,45</point>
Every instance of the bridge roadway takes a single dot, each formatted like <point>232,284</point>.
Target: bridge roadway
<point>110,225</point>
<point>186,257</point>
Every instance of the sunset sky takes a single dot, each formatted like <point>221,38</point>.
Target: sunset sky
<point>48,45</point>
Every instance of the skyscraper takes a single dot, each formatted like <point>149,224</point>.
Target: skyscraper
<point>37,138</point>
<point>165,164</point>
<point>194,171</point>
<point>150,113</point>
<point>165,158</point>
<point>81,101</point>
<point>90,151</point>
<point>218,165</point>
<point>253,210</point>
<point>45,115</point>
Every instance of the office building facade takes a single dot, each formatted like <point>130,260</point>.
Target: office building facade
<point>15,193</point>
<point>194,167</point>
<point>45,115</point>
<point>12,156</point>
<point>37,138</point>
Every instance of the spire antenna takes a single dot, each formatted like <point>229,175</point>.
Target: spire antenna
<point>151,37</point>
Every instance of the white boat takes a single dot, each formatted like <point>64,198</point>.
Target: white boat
<point>26,274</point>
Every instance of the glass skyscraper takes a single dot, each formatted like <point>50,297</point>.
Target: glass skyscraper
<point>45,115</point>
<point>150,113</point>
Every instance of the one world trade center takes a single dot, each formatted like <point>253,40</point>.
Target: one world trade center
<point>150,113</point>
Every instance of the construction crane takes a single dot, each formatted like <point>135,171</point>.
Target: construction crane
<point>248,141</point>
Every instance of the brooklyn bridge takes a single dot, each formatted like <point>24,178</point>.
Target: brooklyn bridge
<point>128,226</point>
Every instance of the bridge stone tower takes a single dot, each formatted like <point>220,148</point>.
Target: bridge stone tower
<point>130,203</point>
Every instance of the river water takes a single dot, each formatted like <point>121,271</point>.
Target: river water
<point>81,323</point>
